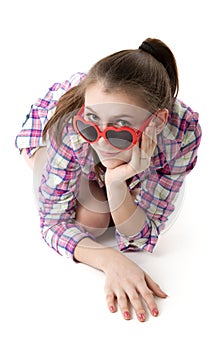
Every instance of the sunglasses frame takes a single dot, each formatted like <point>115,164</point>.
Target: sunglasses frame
<point>136,134</point>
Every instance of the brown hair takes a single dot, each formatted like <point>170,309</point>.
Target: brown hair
<point>153,79</point>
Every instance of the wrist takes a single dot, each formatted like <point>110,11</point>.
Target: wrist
<point>115,175</point>
<point>92,253</point>
<point>115,184</point>
<point>116,193</point>
<point>109,258</point>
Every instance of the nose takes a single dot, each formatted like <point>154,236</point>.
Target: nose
<point>102,126</point>
<point>102,143</point>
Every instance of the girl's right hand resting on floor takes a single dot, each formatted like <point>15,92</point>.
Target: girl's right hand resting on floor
<point>126,283</point>
<point>129,286</point>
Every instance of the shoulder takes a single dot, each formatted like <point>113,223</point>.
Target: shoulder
<point>71,81</point>
<point>76,78</point>
<point>57,89</point>
<point>182,119</point>
<point>182,133</point>
<point>184,112</point>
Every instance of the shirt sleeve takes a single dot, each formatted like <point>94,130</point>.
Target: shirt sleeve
<point>159,191</point>
<point>57,196</point>
<point>30,136</point>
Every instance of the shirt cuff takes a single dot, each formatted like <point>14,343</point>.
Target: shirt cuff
<point>145,239</point>
<point>29,151</point>
<point>63,238</point>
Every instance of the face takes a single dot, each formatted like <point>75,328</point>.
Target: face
<point>112,109</point>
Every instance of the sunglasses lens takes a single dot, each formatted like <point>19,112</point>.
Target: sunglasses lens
<point>119,139</point>
<point>87,131</point>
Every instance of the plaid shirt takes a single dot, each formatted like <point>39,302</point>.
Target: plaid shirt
<point>174,157</point>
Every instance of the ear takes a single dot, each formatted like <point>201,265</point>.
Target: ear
<point>160,119</point>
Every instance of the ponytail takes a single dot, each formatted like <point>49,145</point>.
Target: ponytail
<point>164,55</point>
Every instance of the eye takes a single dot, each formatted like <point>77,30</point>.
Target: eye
<point>122,122</point>
<point>92,117</point>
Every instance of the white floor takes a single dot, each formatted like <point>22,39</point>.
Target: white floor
<point>47,301</point>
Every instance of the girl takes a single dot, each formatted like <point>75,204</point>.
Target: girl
<point>119,146</point>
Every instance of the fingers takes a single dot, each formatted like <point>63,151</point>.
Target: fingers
<point>148,297</point>
<point>110,298</point>
<point>150,131</point>
<point>137,304</point>
<point>148,294</point>
<point>147,291</point>
<point>154,287</point>
<point>148,140</point>
<point>122,303</point>
<point>134,298</point>
<point>141,154</point>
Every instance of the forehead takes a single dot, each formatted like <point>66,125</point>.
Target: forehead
<point>114,109</point>
<point>112,103</point>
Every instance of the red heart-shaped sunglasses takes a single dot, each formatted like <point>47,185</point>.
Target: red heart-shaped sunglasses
<point>121,138</point>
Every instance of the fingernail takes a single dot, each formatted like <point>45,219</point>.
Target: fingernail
<point>111,308</point>
<point>155,312</point>
<point>127,315</point>
<point>152,124</point>
<point>141,317</point>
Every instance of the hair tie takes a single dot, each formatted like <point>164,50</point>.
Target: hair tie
<point>145,46</point>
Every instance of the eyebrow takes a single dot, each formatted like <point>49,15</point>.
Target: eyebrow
<point>115,116</point>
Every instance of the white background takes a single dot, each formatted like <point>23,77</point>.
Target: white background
<point>47,301</point>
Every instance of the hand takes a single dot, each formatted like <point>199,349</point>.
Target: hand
<point>127,284</point>
<point>140,157</point>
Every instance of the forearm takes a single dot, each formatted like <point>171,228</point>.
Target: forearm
<point>29,161</point>
<point>38,157</point>
<point>129,219</point>
<point>94,254</point>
